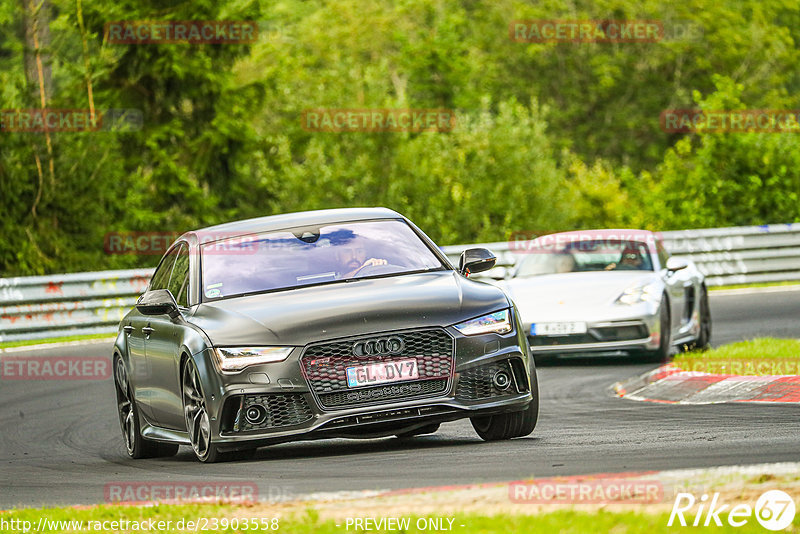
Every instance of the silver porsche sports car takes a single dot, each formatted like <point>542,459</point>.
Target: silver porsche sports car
<point>608,291</point>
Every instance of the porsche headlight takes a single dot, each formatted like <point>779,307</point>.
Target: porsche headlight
<point>237,358</point>
<point>493,323</point>
<point>640,293</point>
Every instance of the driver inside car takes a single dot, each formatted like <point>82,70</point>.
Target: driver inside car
<point>353,258</point>
<point>630,260</point>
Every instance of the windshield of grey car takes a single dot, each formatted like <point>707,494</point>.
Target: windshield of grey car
<point>585,256</point>
<point>312,255</point>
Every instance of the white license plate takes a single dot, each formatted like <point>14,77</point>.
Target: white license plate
<point>558,329</point>
<point>380,373</point>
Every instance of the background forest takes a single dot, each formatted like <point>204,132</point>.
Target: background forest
<point>549,136</point>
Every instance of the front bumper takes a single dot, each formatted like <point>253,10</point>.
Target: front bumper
<point>629,334</point>
<point>297,411</point>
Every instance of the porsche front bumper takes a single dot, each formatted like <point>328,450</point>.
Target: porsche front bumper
<point>629,334</point>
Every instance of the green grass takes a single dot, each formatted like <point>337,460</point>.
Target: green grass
<point>759,284</point>
<point>27,342</point>
<point>562,521</point>
<point>760,356</point>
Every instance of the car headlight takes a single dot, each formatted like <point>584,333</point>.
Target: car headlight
<point>640,293</point>
<point>237,358</point>
<point>493,323</point>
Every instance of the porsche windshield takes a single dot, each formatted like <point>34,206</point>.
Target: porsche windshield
<point>312,255</point>
<point>584,256</point>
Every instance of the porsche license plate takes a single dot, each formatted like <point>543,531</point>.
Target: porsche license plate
<point>380,373</point>
<point>558,329</point>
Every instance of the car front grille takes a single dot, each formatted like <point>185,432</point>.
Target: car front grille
<point>476,383</point>
<point>324,367</point>
<point>378,394</point>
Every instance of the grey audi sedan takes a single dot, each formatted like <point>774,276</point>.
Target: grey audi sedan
<point>326,324</point>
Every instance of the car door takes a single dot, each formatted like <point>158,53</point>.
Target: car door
<point>163,349</point>
<point>137,331</point>
<point>137,360</point>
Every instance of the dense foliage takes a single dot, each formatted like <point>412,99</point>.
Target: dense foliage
<point>549,136</point>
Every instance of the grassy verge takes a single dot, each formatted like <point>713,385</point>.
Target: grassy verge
<point>468,509</point>
<point>28,342</point>
<point>760,356</point>
<point>759,284</point>
<point>232,519</point>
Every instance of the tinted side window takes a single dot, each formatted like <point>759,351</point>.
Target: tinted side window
<point>161,276</point>
<point>179,282</point>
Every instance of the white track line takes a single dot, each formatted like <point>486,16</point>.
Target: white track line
<point>43,346</point>
<point>750,290</point>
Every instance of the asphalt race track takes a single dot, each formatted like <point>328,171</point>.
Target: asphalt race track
<point>60,441</point>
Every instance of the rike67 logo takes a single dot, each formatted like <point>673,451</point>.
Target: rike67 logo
<point>774,510</point>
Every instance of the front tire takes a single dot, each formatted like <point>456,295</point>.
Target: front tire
<point>136,446</point>
<point>661,354</point>
<point>198,424</point>
<point>510,425</point>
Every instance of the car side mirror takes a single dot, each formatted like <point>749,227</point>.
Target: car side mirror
<point>676,264</point>
<point>475,260</point>
<point>158,302</point>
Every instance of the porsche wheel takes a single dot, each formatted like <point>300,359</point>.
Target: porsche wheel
<point>661,354</point>
<point>704,336</point>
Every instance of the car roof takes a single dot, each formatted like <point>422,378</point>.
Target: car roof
<point>291,220</point>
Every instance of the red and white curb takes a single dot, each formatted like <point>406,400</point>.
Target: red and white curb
<point>672,385</point>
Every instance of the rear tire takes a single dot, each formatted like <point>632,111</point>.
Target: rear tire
<point>704,336</point>
<point>510,425</point>
<point>136,446</point>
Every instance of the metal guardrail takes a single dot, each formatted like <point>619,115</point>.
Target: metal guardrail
<point>39,307</point>
<point>86,303</point>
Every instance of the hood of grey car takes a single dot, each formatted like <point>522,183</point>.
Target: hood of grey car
<point>573,296</point>
<point>299,316</point>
